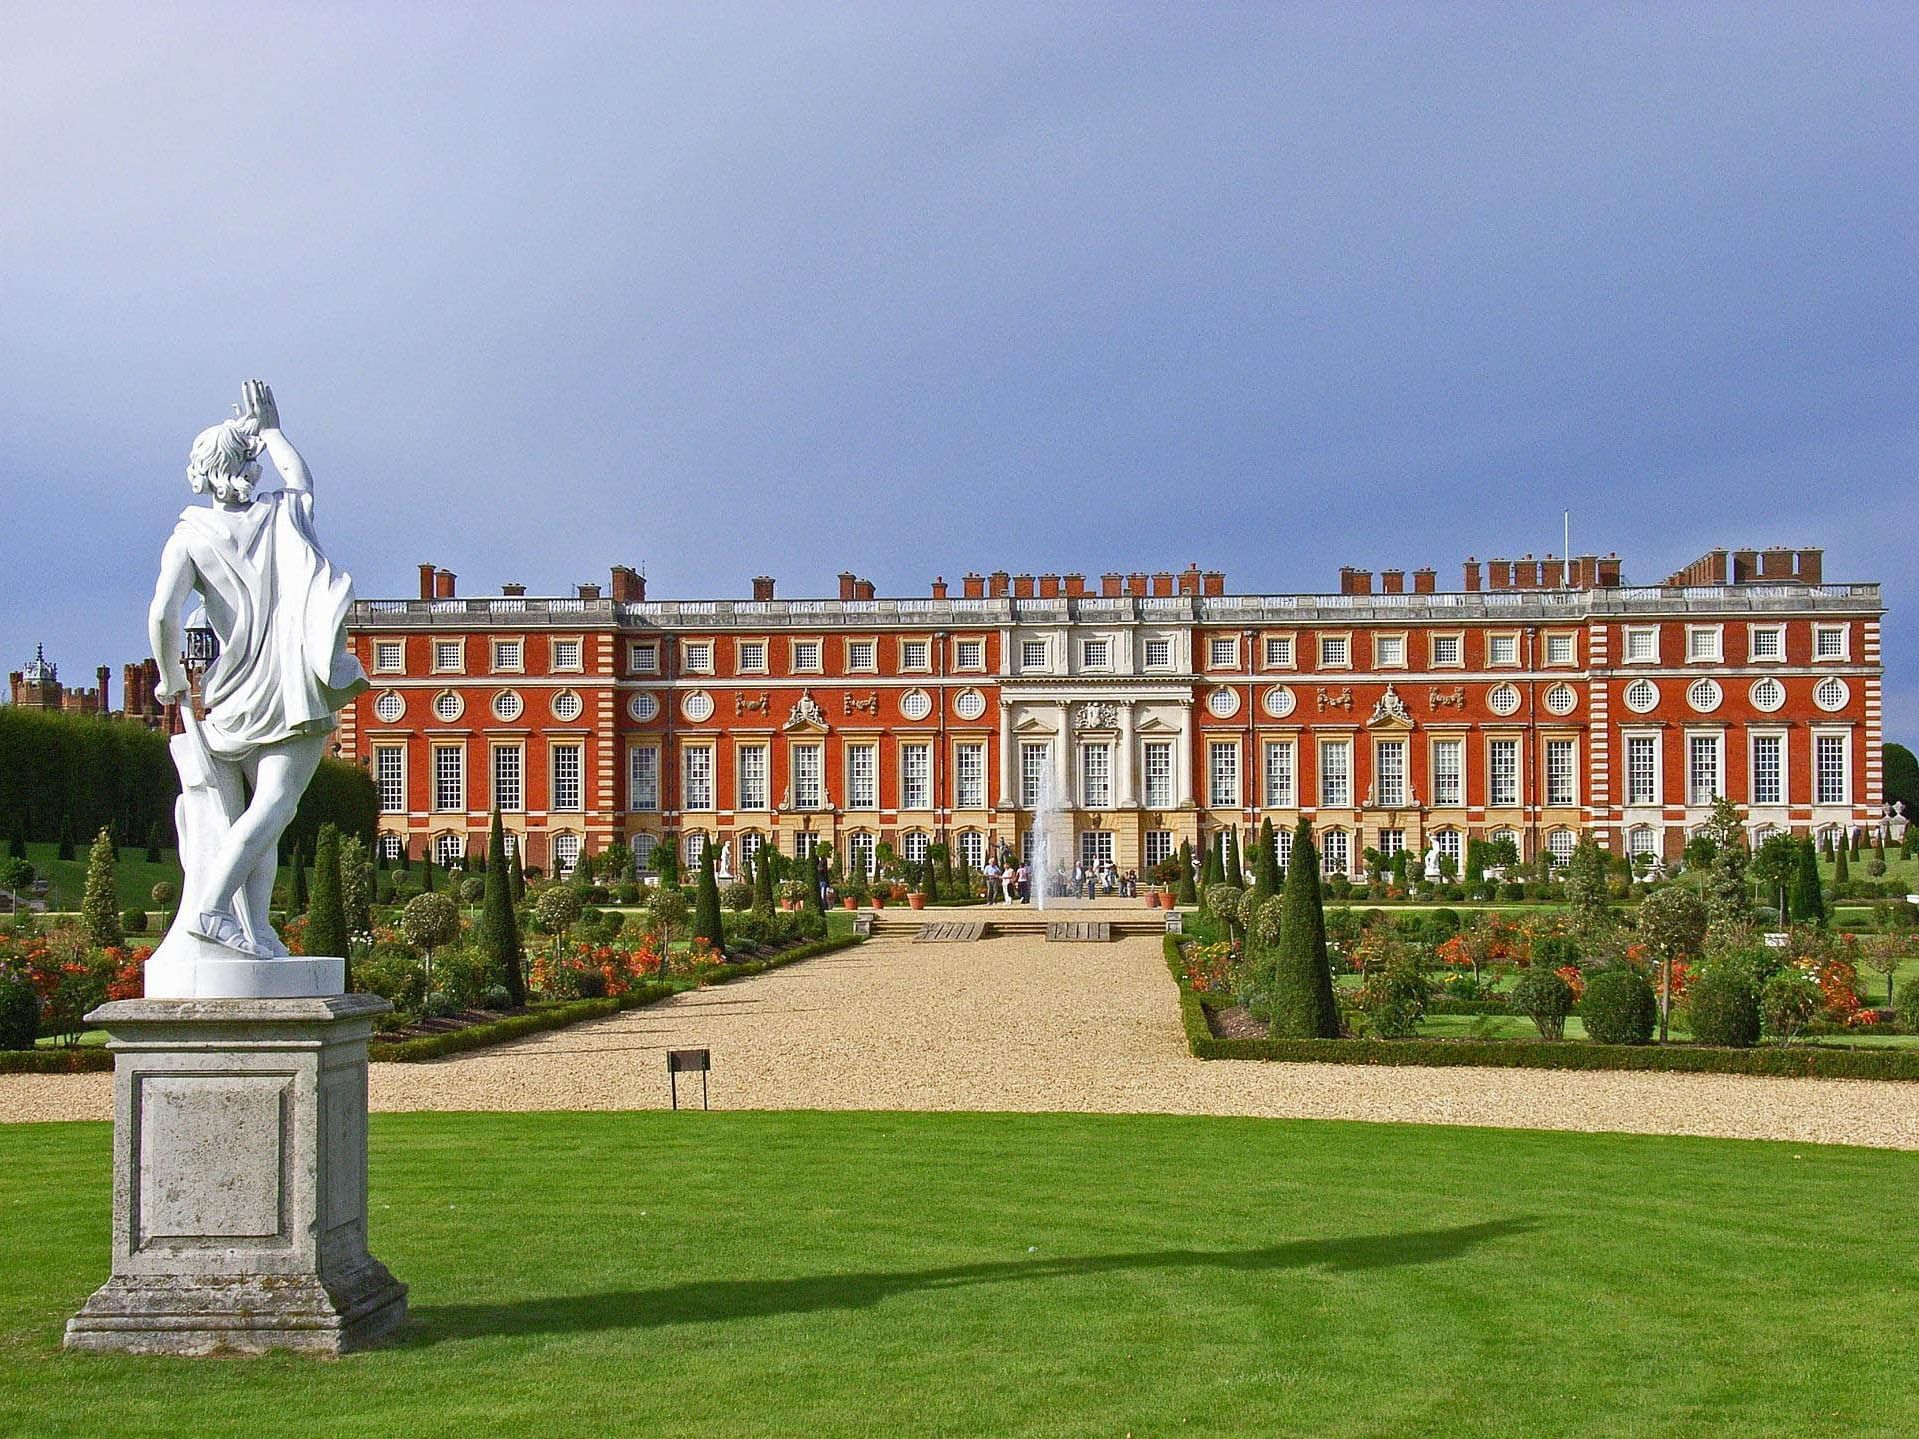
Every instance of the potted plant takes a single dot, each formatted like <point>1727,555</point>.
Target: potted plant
<point>792,894</point>
<point>916,898</point>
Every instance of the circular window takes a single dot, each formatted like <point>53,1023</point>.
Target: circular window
<point>1768,695</point>
<point>1279,701</point>
<point>389,706</point>
<point>1503,700</point>
<point>643,706</point>
<point>1223,703</point>
<point>567,706</point>
<point>697,706</point>
<point>1831,694</point>
<point>969,705</point>
<point>448,706</point>
<point>1562,699</point>
<point>1641,696</point>
<point>1704,696</point>
<point>916,704</point>
<point>508,706</point>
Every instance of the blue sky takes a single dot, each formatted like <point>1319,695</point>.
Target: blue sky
<point>915,289</point>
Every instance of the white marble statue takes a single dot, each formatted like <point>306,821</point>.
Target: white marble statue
<point>1434,870</point>
<point>253,562</point>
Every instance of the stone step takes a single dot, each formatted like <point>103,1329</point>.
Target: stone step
<point>950,932</point>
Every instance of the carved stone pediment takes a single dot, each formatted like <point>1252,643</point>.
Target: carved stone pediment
<point>1095,715</point>
<point>1390,712</point>
<point>806,714</point>
<point>1033,724</point>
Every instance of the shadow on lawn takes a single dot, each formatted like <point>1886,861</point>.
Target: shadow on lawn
<point>717,1300</point>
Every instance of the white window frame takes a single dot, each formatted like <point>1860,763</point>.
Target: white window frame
<point>752,776</point>
<point>748,665</point>
<point>1632,633</point>
<point>643,657</point>
<point>916,792</point>
<point>697,781</point>
<point>862,655</point>
<point>969,774</point>
<point>1222,652</point>
<point>1695,797</point>
<point>1843,738</point>
<point>1494,638</point>
<point>1035,769</point>
<point>1570,638</point>
<point>380,654</point>
<point>643,779</point>
<point>1457,639</point>
<point>382,753</point>
<point>1398,773</point>
<point>1562,783</point>
<point>808,758</point>
<point>975,665</point>
<point>1331,796</point>
<point>1165,661</point>
<point>1160,789</point>
<point>1344,659</point>
<point>1028,664</point>
<point>1448,781</point>
<point>555,778</point>
<point>1280,774</point>
<point>1843,648</point>
<point>561,664</point>
<point>509,797</point>
<point>440,664</point>
<point>440,804</point>
<point>806,654</point>
<point>1222,774</point>
<point>1389,659</point>
<point>1777,633</point>
<point>1096,775</point>
<point>1096,653</point>
<point>1705,644</point>
<point>1279,651</point>
<point>1503,789</point>
<point>862,781</point>
<point>1636,741</point>
<point>515,648</point>
<point>910,665</point>
<point>1776,738</point>
<point>1335,851</point>
<point>696,657</point>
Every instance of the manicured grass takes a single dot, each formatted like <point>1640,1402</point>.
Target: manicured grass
<point>965,1274</point>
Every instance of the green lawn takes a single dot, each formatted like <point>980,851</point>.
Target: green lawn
<point>965,1274</point>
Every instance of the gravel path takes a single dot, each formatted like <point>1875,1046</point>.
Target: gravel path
<point>1019,1024</point>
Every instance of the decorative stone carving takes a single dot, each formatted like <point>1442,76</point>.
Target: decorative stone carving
<point>1096,715</point>
<point>868,703</point>
<point>278,608</point>
<point>806,711</point>
<point>1339,699</point>
<point>745,704</point>
<point>1390,709</point>
<point>1452,699</point>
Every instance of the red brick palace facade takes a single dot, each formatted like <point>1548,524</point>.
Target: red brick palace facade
<point>1542,699</point>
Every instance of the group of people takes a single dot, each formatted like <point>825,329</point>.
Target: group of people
<point>1013,882</point>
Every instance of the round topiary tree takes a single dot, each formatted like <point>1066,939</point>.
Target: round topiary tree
<point>429,921</point>
<point>1723,1005</point>
<point>1790,1001</point>
<point>1545,998</point>
<point>1619,1007</point>
<point>472,890</point>
<point>558,909</point>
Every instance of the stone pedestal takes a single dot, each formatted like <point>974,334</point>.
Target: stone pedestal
<point>239,1180</point>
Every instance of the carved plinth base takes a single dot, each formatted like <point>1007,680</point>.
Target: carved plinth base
<point>239,1180</point>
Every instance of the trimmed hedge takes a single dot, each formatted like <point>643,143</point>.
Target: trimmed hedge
<point>560,1016</point>
<point>84,1059</point>
<point>1795,1061</point>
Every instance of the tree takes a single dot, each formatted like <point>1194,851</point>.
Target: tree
<point>817,893</point>
<point>763,894</point>
<point>1901,780</point>
<point>326,914</point>
<point>69,842</point>
<point>17,840</point>
<point>1858,840</point>
<point>356,886</point>
<point>426,872</point>
<point>1884,952</point>
<point>1235,870</point>
<point>155,842</point>
<point>1475,864</point>
<point>1186,893</point>
<point>1672,921</point>
<point>517,876</point>
<point>1841,865</point>
<point>665,916</point>
<point>1726,869</point>
<point>1774,864</point>
<point>1266,879</point>
<point>100,905</point>
<point>707,924</point>
<point>427,922</point>
<point>1586,886</point>
<point>1303,1005</point>
<point>499,927</point>
<point>302,897</point>
<point>15,875</point>
<point>1808,899</point>
<point>558,910</point>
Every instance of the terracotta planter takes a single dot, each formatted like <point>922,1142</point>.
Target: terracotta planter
<point>1152,899</point>
<point>879,901</point>
<point>899,892</point>
<point>1167,899</point>
<point>849,903</point>
<point>918,901</point>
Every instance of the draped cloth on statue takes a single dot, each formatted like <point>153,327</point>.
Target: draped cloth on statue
<point>280,610</point>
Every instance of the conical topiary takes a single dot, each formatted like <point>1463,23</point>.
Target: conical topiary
<point>1235,870</point>
<point>499,927</point>
<point>326,910</point>
<point>1841,867</point>
<point>1303,1005</point>
<point>100,905</point>
<point>1808,900</point>
<point>707,924</point>
<point>1187,892</point>
<point>1266,879</point>
<point>763,894</point>
<point>516,875</point>
<point>69,842</point>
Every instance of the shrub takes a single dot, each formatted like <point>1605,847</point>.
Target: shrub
<point>738,896</point>
<point>1723,1003</point>
<point>1394,1000</point>
<point>472,890</point>
<point>1906,1009</point>
<point>494,996</point>
<point>19,1011</point>
<point>591,984</point>
<point>133,921</point>
<point>1619,1007</point>
<point>1790,1001</point>
<point>1544,998</point>
<point>1441,924</point>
